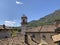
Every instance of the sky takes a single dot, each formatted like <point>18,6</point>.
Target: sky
<point>12,10</point>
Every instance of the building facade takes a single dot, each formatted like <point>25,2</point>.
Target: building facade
<point>5,32</point>
<point>42,34</point>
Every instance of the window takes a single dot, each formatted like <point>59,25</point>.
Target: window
<point>44,37</point>
<point>33,36</point>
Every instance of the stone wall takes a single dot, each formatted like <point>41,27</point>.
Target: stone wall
<point>36,35</point>
<point>5,33</point>
<point>48,38</point>
<point>18,40</point>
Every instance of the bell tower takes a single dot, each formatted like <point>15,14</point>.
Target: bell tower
<point>23,24</point>
<point>23,27</point>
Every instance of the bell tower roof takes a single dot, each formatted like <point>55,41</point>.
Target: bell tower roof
<point>24,16</point>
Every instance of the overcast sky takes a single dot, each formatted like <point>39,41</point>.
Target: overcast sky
<point>12,10</point>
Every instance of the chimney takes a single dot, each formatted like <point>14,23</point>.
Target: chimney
<point>4,26</point>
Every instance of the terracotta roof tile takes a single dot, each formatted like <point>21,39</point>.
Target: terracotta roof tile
<point>46,28</point>
<point>36,29</point>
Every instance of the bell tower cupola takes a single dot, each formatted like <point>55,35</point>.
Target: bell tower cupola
<point>24,20</point>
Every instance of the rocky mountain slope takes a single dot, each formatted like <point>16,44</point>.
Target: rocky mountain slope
<point>49,19</point>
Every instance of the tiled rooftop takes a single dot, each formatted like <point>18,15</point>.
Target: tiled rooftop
<point>46,28</point>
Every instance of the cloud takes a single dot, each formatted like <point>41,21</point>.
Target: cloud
<point>10,23</point>
<point>18,2</point>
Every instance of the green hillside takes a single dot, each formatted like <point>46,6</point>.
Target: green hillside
<point>49,19</point>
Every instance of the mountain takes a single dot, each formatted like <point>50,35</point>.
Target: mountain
<point>47,20</point>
